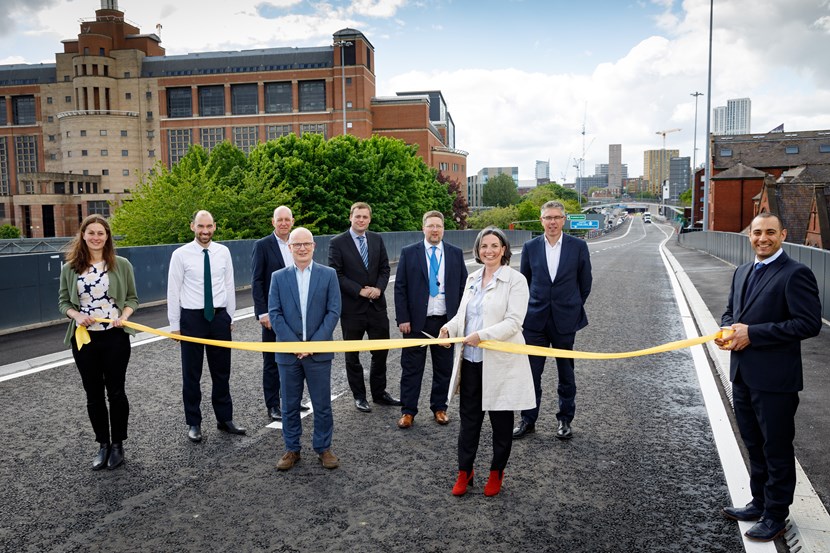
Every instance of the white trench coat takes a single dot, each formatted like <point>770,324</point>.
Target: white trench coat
<point>507,383</point>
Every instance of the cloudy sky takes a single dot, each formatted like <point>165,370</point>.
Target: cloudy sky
<point>520,77</point>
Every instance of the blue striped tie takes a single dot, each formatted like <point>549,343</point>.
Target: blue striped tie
<point>364,252</point>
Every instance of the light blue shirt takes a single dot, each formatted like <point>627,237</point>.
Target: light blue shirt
<point>474,320</point>
<point>303,282</point>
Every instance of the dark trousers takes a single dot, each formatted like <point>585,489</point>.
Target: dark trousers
<point>375,325</point>
<point>103,367</point>
<point>766,421</point>
<point>472,417</point>
<point>318,376</point>
<point>270,372</point>
<point>193,323</point>
<point>413,361</point>
<point>566,388</point>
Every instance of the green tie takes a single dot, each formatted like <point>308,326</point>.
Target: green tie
<point>208,288</point>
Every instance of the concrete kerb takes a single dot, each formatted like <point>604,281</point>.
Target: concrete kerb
<point>809,529</point>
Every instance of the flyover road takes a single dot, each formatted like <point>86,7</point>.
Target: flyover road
<point>642,472</point>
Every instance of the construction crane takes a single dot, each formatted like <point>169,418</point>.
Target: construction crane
<point>664,133</point>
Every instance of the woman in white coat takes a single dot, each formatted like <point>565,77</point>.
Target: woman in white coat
<point>493,308</point>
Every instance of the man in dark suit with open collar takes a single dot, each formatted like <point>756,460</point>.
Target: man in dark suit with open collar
<point>429,284</point>
<point>270,254</point>
<point>362,265</point>
<point>773,305</point>
<point>558,271</point>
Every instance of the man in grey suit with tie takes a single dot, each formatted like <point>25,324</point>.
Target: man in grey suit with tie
<point>558,271</point>
<point>304,306</point>
<point>773,305</point>
<point>270,254</point>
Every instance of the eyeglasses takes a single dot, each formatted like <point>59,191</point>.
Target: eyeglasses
<point>549,218</point>
<point>302,245</point>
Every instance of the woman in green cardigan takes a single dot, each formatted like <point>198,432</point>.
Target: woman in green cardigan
<point>95,282</point>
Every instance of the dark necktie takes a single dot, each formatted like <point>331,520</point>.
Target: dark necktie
<point>208,288</point>
<point>433,273</point>
<point>754,277</point>
<point>364,253</point>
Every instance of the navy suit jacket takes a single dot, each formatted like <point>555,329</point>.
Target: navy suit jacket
<point>783,309</point>
<point>353,275</point>
<point>322,310</point>
<point>563,300</point>
<point>265,259</point>
<point>412,284</point>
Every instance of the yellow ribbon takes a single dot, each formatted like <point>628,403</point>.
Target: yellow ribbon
<point>82,337</point>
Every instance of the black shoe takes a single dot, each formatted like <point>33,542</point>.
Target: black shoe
<point>230,427</point>
<point>386,399</point>
<point>275,413</point>
<point>100,460</point>
<point>304,406</point>
<point>766,529</point>
<point>116,455</point>
<point>748,513</point>
<point>523,429</point>
<point>362,405</point>
<point>194,433</point>
<point>564,431</point>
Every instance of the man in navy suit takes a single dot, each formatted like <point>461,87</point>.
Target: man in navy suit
<point>558,271</point>
<point>304,306</point>
<point>773,305</point>
<point>362,265</point>
<point>270,254</point>
<point>429,284</point>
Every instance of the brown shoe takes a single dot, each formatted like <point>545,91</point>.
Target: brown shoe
<point>329,460</point>
<point>441,417</point>
<point>405,421</point>
<point>288,460</point>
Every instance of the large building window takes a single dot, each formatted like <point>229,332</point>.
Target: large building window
<point>179,103</point>
<point>275,131</point>
<point>179,141</point>
<point>23,110</point>
<point>211,100</point>
<point>278,98</point>
<point>210,138</point>
<point>3,119</point>
<point>98,207</point>
<point>26,153</point>
<point>313,128</point>
<point>4,167</point>
<point>312,95</point>
<point>244,99</point>
<point>244,138</point>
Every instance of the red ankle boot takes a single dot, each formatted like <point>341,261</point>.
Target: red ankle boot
<point>464,479</point>
<point>493,486</point>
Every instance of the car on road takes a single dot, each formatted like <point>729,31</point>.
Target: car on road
<point>646,217</point>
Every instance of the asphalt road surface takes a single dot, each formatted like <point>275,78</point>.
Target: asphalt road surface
<point>640,474</point>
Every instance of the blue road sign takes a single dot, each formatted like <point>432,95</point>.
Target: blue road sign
<point>581,225</point>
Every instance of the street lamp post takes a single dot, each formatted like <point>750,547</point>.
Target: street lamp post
<point>694,160</point>
<point>342,44</point>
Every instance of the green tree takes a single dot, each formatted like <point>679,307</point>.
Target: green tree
<point>9,232</point>
<point>498,216</point>
<point>500,191</point>
<point>686,197</point>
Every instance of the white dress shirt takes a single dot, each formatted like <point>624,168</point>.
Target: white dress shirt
<point>552,254</point>
<point>186,280</point>
<point>287,258</point>
<point>438,304</point>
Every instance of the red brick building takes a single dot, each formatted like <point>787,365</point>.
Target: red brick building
<point>77,135</point>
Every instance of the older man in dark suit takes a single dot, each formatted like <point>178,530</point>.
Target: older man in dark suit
<point>362,265</point>
<point>558,271</point>
<point>270,254</point>
<point>773,305</point>
<point>304,305</point>
<point>429,284</point>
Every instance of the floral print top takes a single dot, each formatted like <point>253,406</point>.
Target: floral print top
<point>93,288</point>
